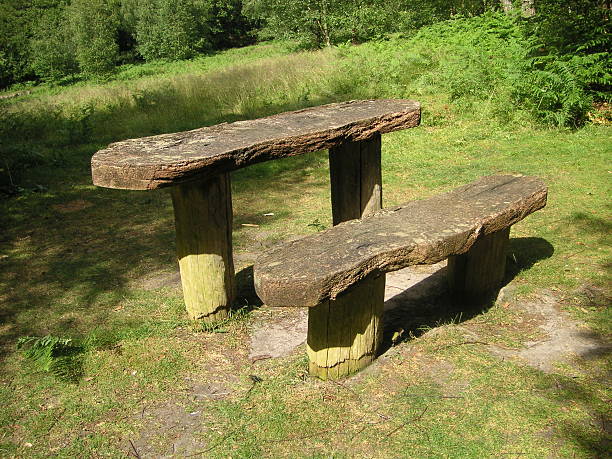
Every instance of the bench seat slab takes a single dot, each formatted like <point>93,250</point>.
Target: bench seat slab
<point>319,267</point>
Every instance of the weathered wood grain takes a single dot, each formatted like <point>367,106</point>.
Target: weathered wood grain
<point>356,179</point>
<point>169,159</point>
<point>203,220</point>
<point>316,268</point>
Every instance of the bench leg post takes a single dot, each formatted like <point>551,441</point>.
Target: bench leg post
<point>479,272</point>
<point>356,179</point>
<point>203,217</point>
<point>344,334</point>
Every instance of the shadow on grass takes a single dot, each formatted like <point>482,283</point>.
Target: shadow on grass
<point>594,434</point>
<point>70,257</point>
<point>430,304</point>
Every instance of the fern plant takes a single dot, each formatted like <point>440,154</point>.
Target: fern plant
<point>58,356</point>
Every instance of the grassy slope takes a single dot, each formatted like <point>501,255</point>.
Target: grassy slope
<point>75,261</point>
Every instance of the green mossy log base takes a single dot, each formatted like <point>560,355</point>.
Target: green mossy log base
<point>203,217</point>
<point>344,334</point>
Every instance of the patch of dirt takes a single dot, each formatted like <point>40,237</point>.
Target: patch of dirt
<point>160,280</point>
<point>277,332</point>
<point>415,283</point>
<point>72,206</point>
<point>167,431</point>
<point>175,427</point>
<point>565,339</point>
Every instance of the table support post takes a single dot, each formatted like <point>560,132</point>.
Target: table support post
<point>356,179</point>
<point>478,273</point>
<point>203,218</point>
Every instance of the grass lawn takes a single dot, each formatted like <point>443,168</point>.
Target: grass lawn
<point>98,266</point>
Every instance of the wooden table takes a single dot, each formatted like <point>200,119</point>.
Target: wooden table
<point>197,163</point>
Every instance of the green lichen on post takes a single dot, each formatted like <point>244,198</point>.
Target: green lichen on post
<point>344,334</point>
<point>203,217</point>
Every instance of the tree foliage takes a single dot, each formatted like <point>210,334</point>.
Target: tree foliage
<point>324,22</point>
<point>94,25</point>
<point>228,26</point>
<point>15,25</point>
<point>49,39</point>
<point>168,29</point>
<point>52,48</point>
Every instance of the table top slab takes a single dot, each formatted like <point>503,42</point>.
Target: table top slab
<point>170,159</point>
<point>318,267</point>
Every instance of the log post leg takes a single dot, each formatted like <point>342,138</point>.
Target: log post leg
<point>203,217</point>
<point>480,271</point>
<point>344,334</point>
<point>356,191</point>
<point>356,179</point>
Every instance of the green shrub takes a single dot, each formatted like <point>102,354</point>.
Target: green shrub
<point>94,25</point>
<point>553,90</point>
<point>170,29</point>
<point>52,48</point>
<point>485,60</point>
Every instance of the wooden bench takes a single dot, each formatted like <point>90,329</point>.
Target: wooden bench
<point>339,273</point>
<point>196,164</point>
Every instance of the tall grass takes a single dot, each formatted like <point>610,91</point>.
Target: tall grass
<point>481,66</point>
<point>153,105</point>
<point>33,131</point>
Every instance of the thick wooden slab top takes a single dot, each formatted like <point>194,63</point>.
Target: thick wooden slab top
<point>313,269</point>
<point>169,159</point>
